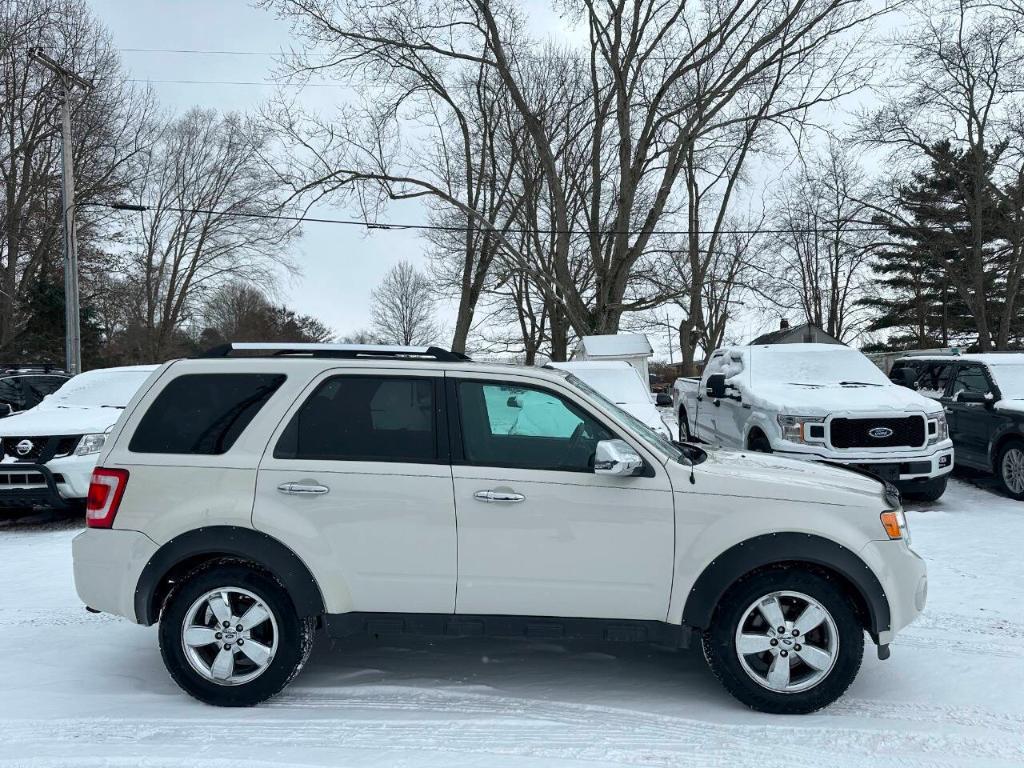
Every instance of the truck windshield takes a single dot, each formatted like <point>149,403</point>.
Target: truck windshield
<point>682,454</point>
<point>815,365</point>
<point>1010,380</point>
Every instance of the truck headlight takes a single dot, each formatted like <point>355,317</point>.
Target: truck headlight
<point>802,429</point>
<point>90,444</point>
<point>938,429</point>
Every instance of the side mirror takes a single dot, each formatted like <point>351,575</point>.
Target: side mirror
<point>616,457</point>
<point>513,402</point>
<point>6,409</point>
<point>716,386</point>
<point>973,397</point>
<point>663,399</point>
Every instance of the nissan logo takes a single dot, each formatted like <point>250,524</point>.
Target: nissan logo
<point>24,448</point>
<point>880,433</point>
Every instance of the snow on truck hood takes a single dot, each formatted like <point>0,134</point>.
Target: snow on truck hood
<point>87,404</point>
<point>799,399</point>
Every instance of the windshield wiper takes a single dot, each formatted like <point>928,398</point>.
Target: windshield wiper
<point>860,383</point>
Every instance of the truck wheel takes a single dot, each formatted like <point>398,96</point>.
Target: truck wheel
<point>684,427</point>
<point>230,636</point>
<point>1010,468</point>
<point>760,444</point>
<point>785,642</point>
<point>930,490</point>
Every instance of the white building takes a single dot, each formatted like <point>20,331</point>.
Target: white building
<point>633,348</point>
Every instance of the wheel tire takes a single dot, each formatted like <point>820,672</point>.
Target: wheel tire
<point>760,444</point>
<point>294,635</point>
<point>684,427</point>
<point>1011,452</point>
<point>930,490</point>
<point>720,648</point>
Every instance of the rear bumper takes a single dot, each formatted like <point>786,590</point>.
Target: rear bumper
<point>107,565</point>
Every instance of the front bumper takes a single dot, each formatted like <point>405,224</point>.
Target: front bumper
<point>107,566</point>
<point>51,485</point>
<point>934,461</point>
<point>904,578</point>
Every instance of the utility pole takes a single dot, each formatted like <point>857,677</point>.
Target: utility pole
<point>72,324</point>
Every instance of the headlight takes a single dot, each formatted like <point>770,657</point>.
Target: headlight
<point>941,429</point>
<point>802,429</point>
<point>90,444</point>
<point>895,524</point>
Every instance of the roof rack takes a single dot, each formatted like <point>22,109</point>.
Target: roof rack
<point>347,351</point>
<point>31,367</point>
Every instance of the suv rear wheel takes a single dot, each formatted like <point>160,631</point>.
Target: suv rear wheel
<point>1010,468</point>
<point>230,636</point>
<point>785,642</point>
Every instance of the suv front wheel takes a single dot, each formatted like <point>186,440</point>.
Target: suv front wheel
<point>785,642</point>
<point>230,636</point>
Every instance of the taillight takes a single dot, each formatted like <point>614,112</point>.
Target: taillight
<point>105,491</point>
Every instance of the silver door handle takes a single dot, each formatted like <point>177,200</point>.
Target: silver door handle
<point>490,496</point>
<point>303,489</point>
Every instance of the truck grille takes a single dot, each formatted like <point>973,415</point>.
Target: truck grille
<point>36,449</point>
<point>903,431</point>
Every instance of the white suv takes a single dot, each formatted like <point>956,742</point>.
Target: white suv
<point>243,500</point>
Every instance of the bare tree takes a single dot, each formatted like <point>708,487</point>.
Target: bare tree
<point>237,311</point>
<point>961,88</point>
<point>610,131</point>
<point>403,308</point>
<point>212,202</point>
<point>108,131</point>
<point>822,248</point>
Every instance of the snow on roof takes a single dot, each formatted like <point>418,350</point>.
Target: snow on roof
<point>988,358</point>
<point>615,345</point>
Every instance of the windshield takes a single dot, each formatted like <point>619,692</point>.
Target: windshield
<point>97,389</point>
<point>815,365</point>
<point>655,440</point>
<point>620,385</point>
<point>1009,379</point>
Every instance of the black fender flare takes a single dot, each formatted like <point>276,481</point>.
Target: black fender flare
<point>776,548</point>
<point>227,541</point>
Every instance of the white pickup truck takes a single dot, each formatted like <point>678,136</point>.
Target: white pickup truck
<point>821,402</point>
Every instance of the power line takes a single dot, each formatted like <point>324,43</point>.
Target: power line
<point>463,228</point>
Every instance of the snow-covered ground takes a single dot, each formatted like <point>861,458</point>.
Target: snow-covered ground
<point>84,690</point>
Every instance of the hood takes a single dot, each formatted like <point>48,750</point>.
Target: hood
<point>39,422</point>
<point>765,475</point>
<point>822,400</point>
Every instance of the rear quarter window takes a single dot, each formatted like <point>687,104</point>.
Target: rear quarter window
<point>203,413</point>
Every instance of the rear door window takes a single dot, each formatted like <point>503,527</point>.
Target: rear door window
<point>203,413</point>
<point>365,418</point>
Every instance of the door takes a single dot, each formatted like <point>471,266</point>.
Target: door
<point>970,424</point>
<point>356,481</point>
<point>707,409</point>
<point>539,533</point>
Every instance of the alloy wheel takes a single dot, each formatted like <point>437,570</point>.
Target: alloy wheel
<point>229,636</point>
<point>787,642</point>
<point>1013,470</point>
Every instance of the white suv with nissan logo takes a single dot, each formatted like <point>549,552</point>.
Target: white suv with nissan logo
<point>249,497</point>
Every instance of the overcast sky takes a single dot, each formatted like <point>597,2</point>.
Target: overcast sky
<point>340,264</point>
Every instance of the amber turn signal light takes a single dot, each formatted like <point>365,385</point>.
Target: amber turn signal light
<point>891,523</point>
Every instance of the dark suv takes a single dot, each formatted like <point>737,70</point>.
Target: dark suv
<point>24,387</point>
<point>984,400</point>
